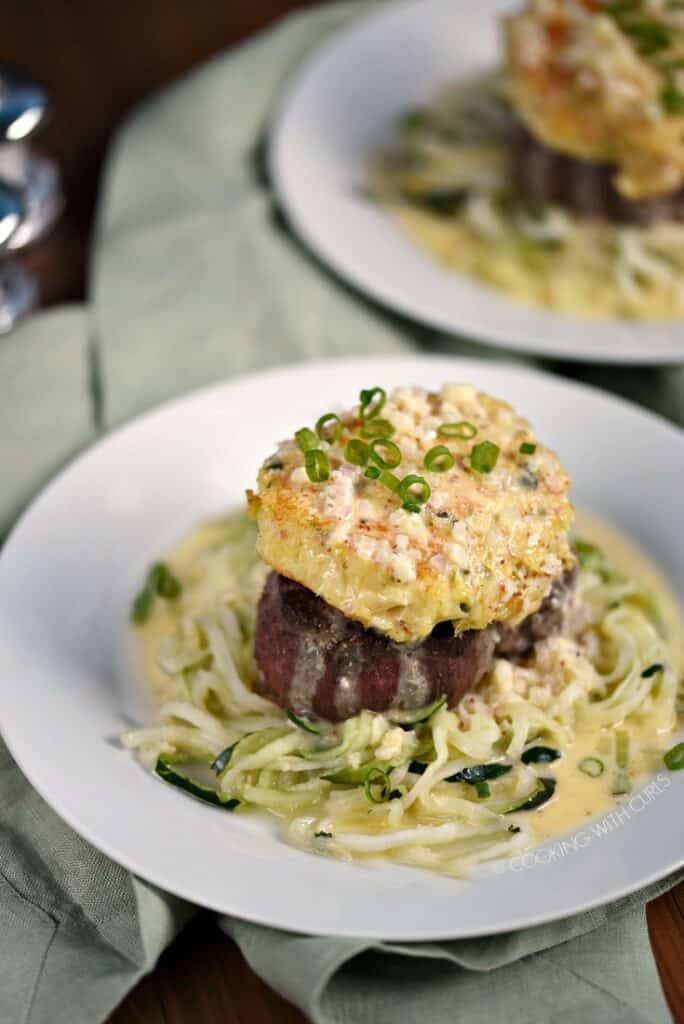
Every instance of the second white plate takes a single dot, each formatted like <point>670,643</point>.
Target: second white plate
<point>341,107</point>
<point>69,569</point>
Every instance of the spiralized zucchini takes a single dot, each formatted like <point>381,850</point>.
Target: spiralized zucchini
<point>446,181</point>
<point>378,785</point>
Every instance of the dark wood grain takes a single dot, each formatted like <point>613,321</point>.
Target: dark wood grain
<point>98,59</point>
<point>203,979</point>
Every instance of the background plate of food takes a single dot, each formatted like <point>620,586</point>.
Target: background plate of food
<point>509,170</point>
<point>409,695</point>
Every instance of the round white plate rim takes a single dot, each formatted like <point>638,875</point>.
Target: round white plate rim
<point>649,343</point>
<point>373,364</point>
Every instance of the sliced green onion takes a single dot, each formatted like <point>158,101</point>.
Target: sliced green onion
<point>651,671</point>
<point>375,776</point>
<point>526,448</point>
<point>484,456</point>
<point>317,465</point>
<point>386,453</point>
<point>482,789</point>
<point>479,773</point>
<point>439,459</point>
<point>142,606</point>
<point>164,582</point>
<point>306,439</point>
<point>329,427</point>
<point>591,766</point>
<point>540,755</point>
<point>389,480</point>
<point>423,716</point>
<point>356,452</point>
<point>304,723</point>
<point>206,793</point>
<point>371,401</point>
<point>414,489</point>
<point>377,428</point>
<point>621,780</point>
<point>372,473</point>
<point>674,758</point>
<point>323,835</point>
<point>462,430</point>
<point>671,96</point>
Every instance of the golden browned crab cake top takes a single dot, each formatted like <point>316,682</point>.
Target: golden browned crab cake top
<point>603,80</point>
<point>416,509</point>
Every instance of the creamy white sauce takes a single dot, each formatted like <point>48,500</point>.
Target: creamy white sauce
<point>578,797</point>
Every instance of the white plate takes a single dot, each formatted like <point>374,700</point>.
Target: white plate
<point>341,107</point>
<point>66,579</point>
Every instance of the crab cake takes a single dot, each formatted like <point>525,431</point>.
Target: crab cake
<point>416,510</point>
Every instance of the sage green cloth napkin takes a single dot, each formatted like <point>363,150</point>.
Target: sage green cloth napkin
<point>195,278</point>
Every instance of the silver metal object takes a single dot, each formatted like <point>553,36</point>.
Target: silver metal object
<point>37,180</point>
<point>30,193</point>
<point>23,106</point>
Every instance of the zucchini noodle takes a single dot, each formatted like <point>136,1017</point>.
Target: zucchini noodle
<point>380,786</point>
<point>446,180</point>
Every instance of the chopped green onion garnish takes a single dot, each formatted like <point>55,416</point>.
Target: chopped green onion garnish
<point>591,766</point>
<point>317,465</point>
<point>371,402</point>
<point>651,671</point>
<point>439,459</point>
<point>329,427</point>
<point>649,35</point>
<point>527,449</point>
<point>356,452</point>
<point>463,430</point>
<point>621,780</point>
<point>160,581</point>
<point>414,489</point>
<point>413,121</point>
<point>306,439</point>
<point>377,428</point>
<point>385,453</point>
<point>372,473</point>
<point>375,777</point>
<point>540,755</point>
<point>206,793</point>
<point>484,456</point>
<point>671,96</point>
<point>389,480</point>
<point>674,758</point>
<point>164,582</point>
<point>482,789</point>
<point>304,723</point>
<point>142,606</point>
<point>323,835</point>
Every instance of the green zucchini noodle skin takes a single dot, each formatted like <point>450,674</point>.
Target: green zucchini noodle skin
<point>590,676</point>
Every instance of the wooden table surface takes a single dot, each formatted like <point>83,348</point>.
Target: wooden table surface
<point>97,60</point>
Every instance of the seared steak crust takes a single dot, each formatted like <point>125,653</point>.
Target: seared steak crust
<point>315,660</point>
<point>583,187</point>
